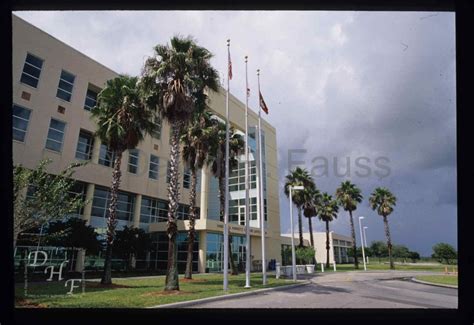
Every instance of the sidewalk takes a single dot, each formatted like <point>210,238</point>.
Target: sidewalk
<point>229,296</point>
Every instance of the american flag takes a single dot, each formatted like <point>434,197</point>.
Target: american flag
<point>230,66</point>
<point>262,103</point>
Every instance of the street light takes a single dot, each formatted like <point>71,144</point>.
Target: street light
<point>365,236</point>
<point>362,240</point>
<point>365,241</point>
<point>293,257</point>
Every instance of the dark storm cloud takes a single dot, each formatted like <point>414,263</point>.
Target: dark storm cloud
<point>338,84</point>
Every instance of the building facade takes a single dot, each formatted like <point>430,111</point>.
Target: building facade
<point>339,246</point>
<point>54,89</point>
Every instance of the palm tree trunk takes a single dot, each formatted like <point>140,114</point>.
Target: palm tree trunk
<point>354,244</point>
<point>311,236</point>
<point>171,281</point>
<point>327,244</point>
<point>192,221</point>
<point>311,231</point>
<point>112,219</point>
<point>300,227</point>
<point>389,242</point>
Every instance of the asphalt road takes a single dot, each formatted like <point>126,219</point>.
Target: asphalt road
<point>385,289</point>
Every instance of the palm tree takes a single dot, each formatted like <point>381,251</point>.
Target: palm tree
<point>383,201</point>
<point>311,199</point>
<point>327,212</point>
<point>297,177</point>
<point>217,163</point>
<point>122,120</point>
<point>196,140</point>
<point>348,196</point>
<point>175,82</point>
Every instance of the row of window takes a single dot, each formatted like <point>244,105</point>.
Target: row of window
<point>85,144</point>
<point>151,210</point>
<point>31,75</point>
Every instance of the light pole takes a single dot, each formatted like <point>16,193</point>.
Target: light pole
<point>365,241</point>
<point>362,240</point>
<point>293,257</point>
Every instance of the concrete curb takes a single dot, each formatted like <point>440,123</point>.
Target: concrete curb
<point>227,296</point>
<point>434,284</point>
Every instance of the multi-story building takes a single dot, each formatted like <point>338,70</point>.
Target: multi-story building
<point>54,89</point>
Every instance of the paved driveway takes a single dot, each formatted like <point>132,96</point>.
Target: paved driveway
<point>386,289</point>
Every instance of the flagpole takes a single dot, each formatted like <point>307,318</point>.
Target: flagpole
<point>247,207</point>
<point>260,187</point>
<point>226,209</point>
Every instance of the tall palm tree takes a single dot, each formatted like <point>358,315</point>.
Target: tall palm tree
<point>311,201</point>
<point>122,120</point>
<point>196,140</point>
<point>175,82</point>
<point>348,195</point>
<point>327,212</point>
<point>297,177</point>
<point>383,201</point>
<point>217,163</point>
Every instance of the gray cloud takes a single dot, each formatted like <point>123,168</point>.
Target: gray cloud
<point>338,84</point>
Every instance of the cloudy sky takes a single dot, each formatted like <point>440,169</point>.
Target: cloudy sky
<point>370,93</point>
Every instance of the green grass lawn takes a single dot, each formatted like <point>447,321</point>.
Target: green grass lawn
<point>135,293</point>
<point>375,266</point>
<point>441,279</point>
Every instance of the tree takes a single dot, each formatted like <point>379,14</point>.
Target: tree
<point>400,251</point>
<point>217,163</point>
<point>40,197</point>
<point>196,140</point>
<point>298,177</point>
<point>175,81</point>
<point>122,122</point>
<point>348,195</point>
<point>383,201</point>
<point>311,202</point>
<point>73,233</point>
<point>378,249</point>
<point>131,241</point>
<point>327,212</point>
<point>414,256</point>
<point>444,252</point>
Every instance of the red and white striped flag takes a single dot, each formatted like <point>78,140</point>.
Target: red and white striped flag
<point>230,66</point>
<point>262,103</point>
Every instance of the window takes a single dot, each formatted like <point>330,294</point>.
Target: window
<point>154,166</point>
<point>31,70</point>
<point>153,210</point>
<point>237,177</point>
<point>106,156</point>
<point>133,155</point>
<point>237,210</point>
<point>91,98</point>
<point>158,125</point>
<point>186,178</point>
<point>101,201</point>
<point>55,135</point>
<point>84,145</point>
<point>66,83</point>
<point>21,117</point>
<point>159,252</point>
